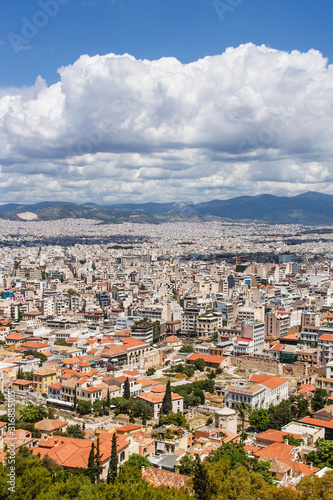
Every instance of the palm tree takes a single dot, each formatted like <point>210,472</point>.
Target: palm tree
<point>243,410</point>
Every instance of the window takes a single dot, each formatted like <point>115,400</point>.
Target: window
<point>122,456</point>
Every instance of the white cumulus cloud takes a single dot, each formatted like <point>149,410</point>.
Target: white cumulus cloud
<point>114,128</point>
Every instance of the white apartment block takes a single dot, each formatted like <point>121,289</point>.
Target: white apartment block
<point>243,347</point>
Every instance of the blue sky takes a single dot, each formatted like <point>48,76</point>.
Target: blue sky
<point>215,99</point>
<point>185,29</point>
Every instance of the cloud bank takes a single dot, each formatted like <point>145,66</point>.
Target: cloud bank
<point>116,129</point>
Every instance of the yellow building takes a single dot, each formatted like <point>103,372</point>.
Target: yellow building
<point>43,377</point>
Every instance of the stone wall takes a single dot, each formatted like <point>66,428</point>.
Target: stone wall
<point>248,365</point>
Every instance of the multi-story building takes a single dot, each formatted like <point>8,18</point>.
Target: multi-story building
<point>309,335</point>
<point>261,392</point>
<point>325,348</point>
<point>243,346</point>
<point>43,377</point>
<point>190,319</point>
<point>209,323</point>
<point>227,310</point>
<point>254,330</point>
<point>276,325</point>
<point>253,395</point>
<point>326,382</point>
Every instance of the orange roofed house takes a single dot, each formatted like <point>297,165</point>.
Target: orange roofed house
<point>210,360</point>
<point>72,453</point>
<point>155,398</point>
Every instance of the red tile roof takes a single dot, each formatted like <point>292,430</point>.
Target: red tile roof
<point>208,358</point>
<point>317,422</point>
<point>268,381</point>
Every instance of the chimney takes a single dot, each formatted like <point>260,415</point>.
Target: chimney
<point>311,465</point>
<point>286,441</point>
<point>143,468</point>
<point>56,442</point>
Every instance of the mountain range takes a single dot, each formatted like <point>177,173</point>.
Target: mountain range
<point>309,208</point>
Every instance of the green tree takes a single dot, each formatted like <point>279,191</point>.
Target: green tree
<point>259,419</point>
<point>143,410</point>
<point>51,413</point>
<point>61,342</point>
<point>279,415</point>
<point>319,399</point>
<point>233,452</point>
<point>243,409</point>
<point>299,406</point>
<point>108,400</point>
<point>75,431</point>
<point>199,364</point>
<point>187,348</point>
<point>127,390</point>
<point>138,461</point>
<point>91,469</point>
<point>167,400</point>
<point>315,487</point>
<point>150,371</point>
<point>98,462</point>
<point>173,418</point>
<point>32,413</point>
<point>29,375</point>
<point>122,405</point>
<point>209,421</point>
<point>201,482</point>
<point>75,398</point>
<point>19,374</point>
<point>323,456</point>
<point>35,354</point>
<point>113,465</point>
<point>186,464</point>
<point>292,440</point>
<point>83,407</point>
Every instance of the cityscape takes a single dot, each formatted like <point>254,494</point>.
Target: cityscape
<point>166,250</point>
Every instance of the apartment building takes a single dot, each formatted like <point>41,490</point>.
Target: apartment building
<point>276,325</point>
<point>190,319</point>
<point>209,323</point>
<point>43,377</point>
<point>325,348</point>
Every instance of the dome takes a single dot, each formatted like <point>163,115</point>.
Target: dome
<point>225,411</point>
<point>159,388</point>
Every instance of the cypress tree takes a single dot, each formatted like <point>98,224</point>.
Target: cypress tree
<point>108,401</point>
<point>91,472</point>
<point>75,398</point>
<point>127,390</point>
<point>98,462</point>
<point>113,464</point>
<point>20,374</point>
<point>167,400</point>
<point>201,483</point>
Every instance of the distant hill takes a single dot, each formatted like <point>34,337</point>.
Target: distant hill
<point>309,208</point>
